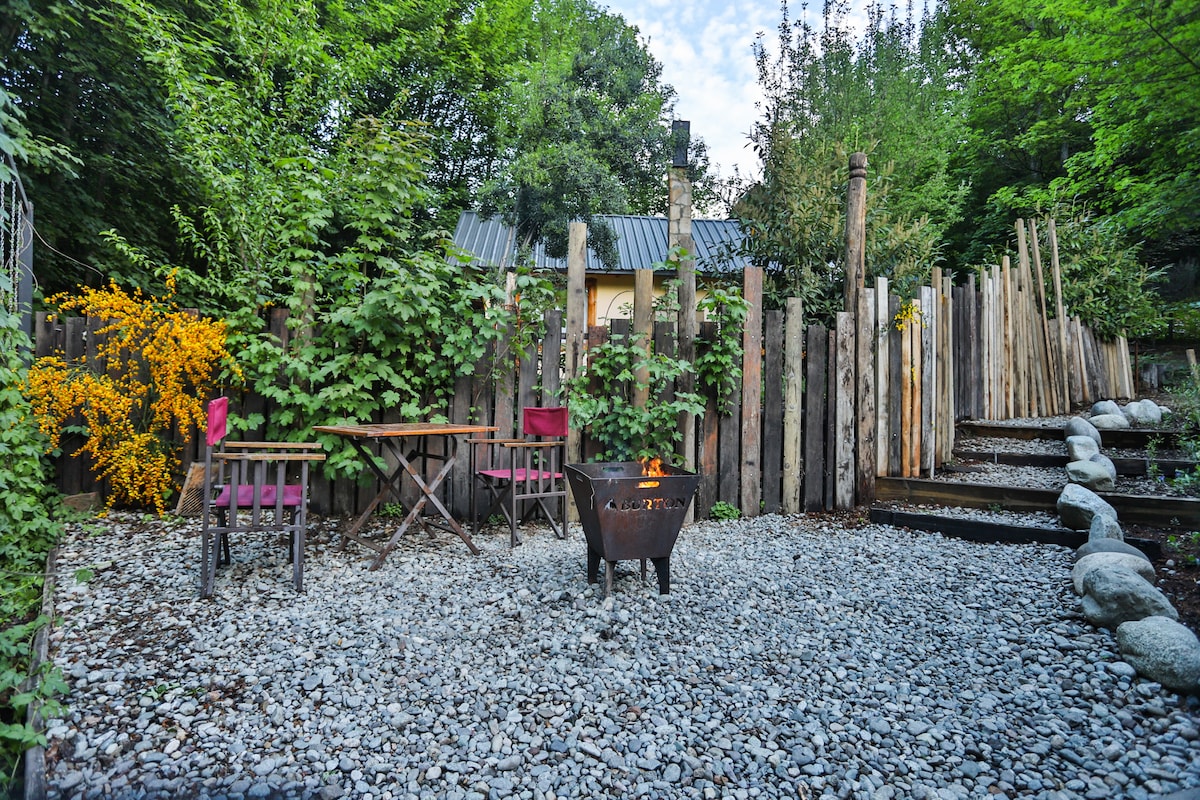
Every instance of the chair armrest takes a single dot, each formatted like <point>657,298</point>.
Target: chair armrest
<point>494,441</point>
<point>273,445</point>
<point>273,455</point>
<point>522,443</point>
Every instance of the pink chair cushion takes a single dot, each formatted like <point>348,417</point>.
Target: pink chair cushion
<point>218,411</point>
<point>522,474</point>
<point>546,421</point>
<point>293,495</point>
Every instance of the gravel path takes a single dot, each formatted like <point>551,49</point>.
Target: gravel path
<point>796,657</point>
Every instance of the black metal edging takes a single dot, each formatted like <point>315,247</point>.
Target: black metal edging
<point>995,532</point>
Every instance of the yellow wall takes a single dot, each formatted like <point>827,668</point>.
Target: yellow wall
<point>614,296</point>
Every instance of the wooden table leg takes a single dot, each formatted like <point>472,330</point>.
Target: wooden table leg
<point>391,484</point>
<point>427,495</point>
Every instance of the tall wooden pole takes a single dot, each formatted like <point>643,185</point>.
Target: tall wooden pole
<point>856,231</point>
<point>860,327</point>
<point>679,235</point>
<point>1060,314</point>
<point>576,319</point>
<point>751,492</point>
<point>643,327</point>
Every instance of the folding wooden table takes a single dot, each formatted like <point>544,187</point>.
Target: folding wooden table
<point>394,437</point>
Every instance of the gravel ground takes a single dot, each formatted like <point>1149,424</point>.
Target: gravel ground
<point>1049,478</point>
<point>805,657</point>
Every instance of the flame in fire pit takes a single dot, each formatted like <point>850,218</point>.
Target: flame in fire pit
<point>651,468</point>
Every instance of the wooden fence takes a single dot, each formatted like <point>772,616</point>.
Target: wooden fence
<point>821,412</point>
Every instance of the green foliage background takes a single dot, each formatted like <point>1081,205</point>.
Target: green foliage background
<point>27,533</point>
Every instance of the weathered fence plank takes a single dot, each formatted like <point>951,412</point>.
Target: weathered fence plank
<point>751,468</point>
<point>772,414</point>
<point>845,421</point>
<point>814,418</point>
<point>793,420</point>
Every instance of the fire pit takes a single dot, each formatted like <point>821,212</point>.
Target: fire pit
<point>627,513</point>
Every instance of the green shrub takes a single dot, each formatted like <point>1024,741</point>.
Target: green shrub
<point>724,510</point>
<point>27,533</point>
<point>601,400</point>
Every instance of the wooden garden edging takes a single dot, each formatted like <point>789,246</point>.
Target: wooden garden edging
<point>1160,512</point>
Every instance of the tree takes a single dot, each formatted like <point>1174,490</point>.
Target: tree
<point>586,131</point>
<point>308,208</point>
<point>90,138</point>
<point>824,96</point>
<point>1091,102</point>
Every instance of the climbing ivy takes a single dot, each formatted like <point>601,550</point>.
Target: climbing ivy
<point>27,533</point>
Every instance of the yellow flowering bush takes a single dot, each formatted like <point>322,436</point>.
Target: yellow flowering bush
<point>154,366</point>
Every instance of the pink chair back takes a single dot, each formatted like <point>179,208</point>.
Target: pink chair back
<point>218,411</point>
<point>546,421</point>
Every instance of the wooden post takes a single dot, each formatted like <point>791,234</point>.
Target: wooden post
<point>1060,314</point>
<point>867,456</point>
<point>1058,405</point>
<point>643,328</point>
<point>949,354</point>
<point>772,413</point>
<point>793,397</point>
<point>844,391</point>
<point>814,418</point>
<point>1007,289</point>
<point>896,398</point>
<point>751,494</point>
<point>576,330</point>
<point>882,376</point>
<point>679,234</point>
<point>856,223</point>
<point>927,334</point>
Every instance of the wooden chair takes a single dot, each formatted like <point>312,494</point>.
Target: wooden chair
<point>245,490</point>
<point>520,476</point>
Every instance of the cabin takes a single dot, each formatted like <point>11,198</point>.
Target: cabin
<point>641,244</point>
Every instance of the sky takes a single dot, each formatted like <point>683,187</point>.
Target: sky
<point>705,49</point>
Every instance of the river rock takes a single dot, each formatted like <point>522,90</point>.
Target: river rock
<point>1106,544</point>
<point>1105,527</point>
<point>1107,463</point>
<point>1078,506</point>
<point>1113,595</point>
<point>1101,407</point>
<point>1110,422</point>
<point>1143,412</point>
<point>1091,474</point>
<point>1083,566</point>
<point>1162,650</point>
<point>1081,448</point>
<point>1078,426</point>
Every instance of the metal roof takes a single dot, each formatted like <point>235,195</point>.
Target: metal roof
<point>641,243</point>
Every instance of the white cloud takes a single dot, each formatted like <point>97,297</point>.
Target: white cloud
<point>705,48</point>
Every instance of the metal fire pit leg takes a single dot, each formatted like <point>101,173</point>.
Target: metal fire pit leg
<point>662,566</point>
<point>609,568</point>
<point>593,566</point>
<point>643,570</point>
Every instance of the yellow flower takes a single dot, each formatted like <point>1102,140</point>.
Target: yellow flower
<point>154,367</point>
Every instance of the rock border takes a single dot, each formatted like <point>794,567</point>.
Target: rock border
<point>1115,582</point>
